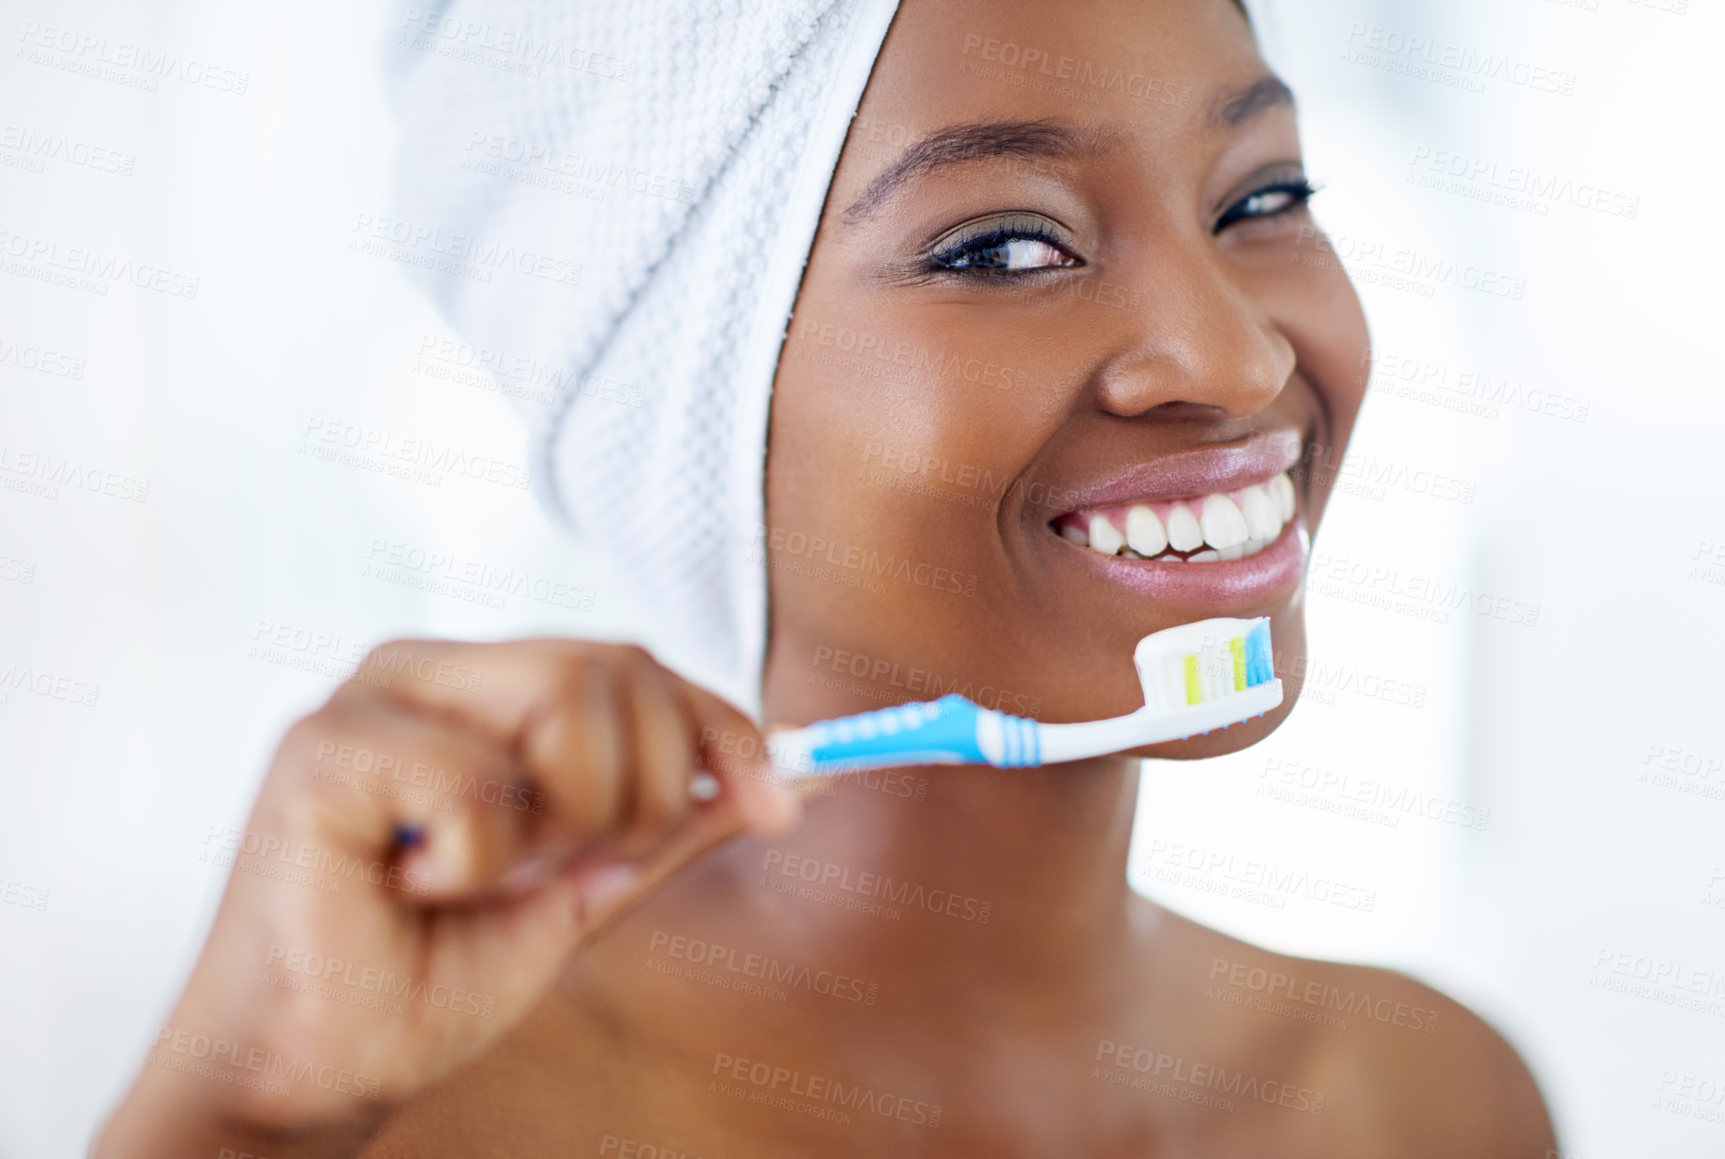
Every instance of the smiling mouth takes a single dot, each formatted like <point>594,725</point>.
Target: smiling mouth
<point>1214,528</point>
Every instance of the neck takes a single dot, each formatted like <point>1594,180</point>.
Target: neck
<point>1013,876</point>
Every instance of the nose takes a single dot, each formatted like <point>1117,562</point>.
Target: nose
<point>1196,337</point>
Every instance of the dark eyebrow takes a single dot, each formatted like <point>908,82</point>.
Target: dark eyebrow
<point>1234,109</point>
<point>1048,140</point>
<point>958,144</point>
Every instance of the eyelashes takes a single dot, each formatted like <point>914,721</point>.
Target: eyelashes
<point>1022,244</point>
<point>1268,201</point>
<point>1017,244</point>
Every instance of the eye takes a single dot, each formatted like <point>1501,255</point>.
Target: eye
<point>1270,201</point>
<point>1006,246</point>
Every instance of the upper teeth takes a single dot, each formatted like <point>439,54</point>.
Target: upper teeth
<point>1231,525</point>
<point>1222,522</point>
<point>1184,534</point>
<point>1104,537</point>
<point>1282,491</point>
<point>1263,517</point>
<point>1144,532</point>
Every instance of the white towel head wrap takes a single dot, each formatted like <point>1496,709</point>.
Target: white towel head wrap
<point>625,192</point>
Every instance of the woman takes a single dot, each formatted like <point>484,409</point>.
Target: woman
<point>1044,290</point>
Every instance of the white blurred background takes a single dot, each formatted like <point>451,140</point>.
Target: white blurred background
<point>1506,776</point>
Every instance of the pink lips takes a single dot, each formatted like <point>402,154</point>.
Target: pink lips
<point>1252,584</point>
<point>1185,474</point>
<point>1221,587</point>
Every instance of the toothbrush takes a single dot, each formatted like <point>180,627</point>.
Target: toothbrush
<point>1196,677</point>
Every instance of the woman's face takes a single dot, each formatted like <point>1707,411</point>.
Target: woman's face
<point>1064,275</point>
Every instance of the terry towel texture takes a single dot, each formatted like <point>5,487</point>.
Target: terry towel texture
<point>614,202</point>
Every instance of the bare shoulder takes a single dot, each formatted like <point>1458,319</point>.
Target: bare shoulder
<point>1428,1074</point>
<point>1405,1070</point>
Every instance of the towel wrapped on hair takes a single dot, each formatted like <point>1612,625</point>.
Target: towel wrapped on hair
<point>623,196</point>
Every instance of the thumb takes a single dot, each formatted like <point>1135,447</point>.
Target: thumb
<point>525,939</point>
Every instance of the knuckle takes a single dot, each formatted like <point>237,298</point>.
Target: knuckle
<point>381,663</point>
<point>309,746</point>
<point>582,675</point>
<point>312,735</point>
<point>575,717</point>
<point>401,646</point>
<point>633,652</point>
<point>566,663</point>
<point>634,661</point>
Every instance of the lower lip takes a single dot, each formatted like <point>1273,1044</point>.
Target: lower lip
<point>1232,586</point>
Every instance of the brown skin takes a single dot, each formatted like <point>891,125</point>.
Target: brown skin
<point>1170,335</point>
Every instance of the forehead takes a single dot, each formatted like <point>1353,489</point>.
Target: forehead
<point>1147,68</point>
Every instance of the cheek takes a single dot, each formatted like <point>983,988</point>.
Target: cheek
<point>893,433</point>
<point>1323,319</point>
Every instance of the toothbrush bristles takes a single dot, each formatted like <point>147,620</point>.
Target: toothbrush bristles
<point>1204,661</point>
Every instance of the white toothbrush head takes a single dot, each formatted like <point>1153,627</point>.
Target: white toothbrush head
<point>1196,678</point>
<point>1199,663</point>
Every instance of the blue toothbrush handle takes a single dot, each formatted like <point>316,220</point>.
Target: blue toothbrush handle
<point>948,731</point>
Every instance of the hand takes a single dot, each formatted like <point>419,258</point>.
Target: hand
<point>426,851</point>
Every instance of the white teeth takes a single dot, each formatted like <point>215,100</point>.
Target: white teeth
<point>1228,526</point>
<point>1222,522</point>
<point>1104,536</point>
<point>1281,489</point>
<point>1262,518</point>
<point>1144,533</point>
<point>1184,534</point>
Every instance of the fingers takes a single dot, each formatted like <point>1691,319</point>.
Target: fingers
<point>706,829</point>
<point>576,743</point>
<point>666,755</point>
<point>601,738</point>
<point>616,753</point>
<point>595,891</point>
<point>448,813</point>
<point>498,688</point>
<point>571,704</point>
<point>462,816</point>
<point>733,749</point>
